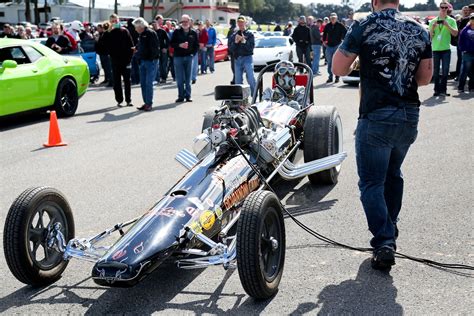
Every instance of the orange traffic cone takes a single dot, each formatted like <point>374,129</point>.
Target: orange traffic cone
<point>54,134</point>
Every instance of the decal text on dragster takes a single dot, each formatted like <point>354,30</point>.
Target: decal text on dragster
<point>241,192</point>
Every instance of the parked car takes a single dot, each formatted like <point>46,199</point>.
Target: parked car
<point>221,50</point>
<point>272,49</point>
<point>34,77</point>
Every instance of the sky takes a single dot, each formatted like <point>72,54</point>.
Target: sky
<point>109,3</point>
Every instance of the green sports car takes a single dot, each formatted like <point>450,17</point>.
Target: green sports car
<point>32,76</point>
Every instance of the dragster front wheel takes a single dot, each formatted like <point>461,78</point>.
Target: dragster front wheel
<point>261,244</point>
<point>34,220</point>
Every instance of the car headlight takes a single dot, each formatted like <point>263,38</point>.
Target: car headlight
<point>279,54</point>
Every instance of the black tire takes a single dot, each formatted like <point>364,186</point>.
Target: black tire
<point>260,224</point>
<point>208,118</point>
<point>22,238</point>
<point>322,138</point>
<point>67,100</point>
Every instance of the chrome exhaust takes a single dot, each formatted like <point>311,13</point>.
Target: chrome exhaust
<point>289,171</point>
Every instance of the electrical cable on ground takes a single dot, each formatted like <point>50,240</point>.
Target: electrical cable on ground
<point>432,263</point>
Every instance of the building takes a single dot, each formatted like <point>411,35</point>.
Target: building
<point>14,13</point>
<point>220,11</point>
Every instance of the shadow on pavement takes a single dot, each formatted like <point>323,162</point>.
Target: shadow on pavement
<point>22,120</point>
<point>156,293</point>
<point>371,293</point>
<point>98,111</point>
<point>109,117</point>
<point>433,101</point>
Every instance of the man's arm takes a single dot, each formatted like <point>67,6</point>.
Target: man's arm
<point>425,72</point>
<point>342,62</point>
<point>453,29</point>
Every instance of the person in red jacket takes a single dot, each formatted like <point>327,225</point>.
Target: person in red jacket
<point>203,39</point>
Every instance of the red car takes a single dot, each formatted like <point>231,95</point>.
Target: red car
<point>220,51</point>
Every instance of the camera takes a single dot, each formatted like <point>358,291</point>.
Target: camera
<point>440,21</point>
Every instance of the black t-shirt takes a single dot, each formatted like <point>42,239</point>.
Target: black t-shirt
<point>390,47</point>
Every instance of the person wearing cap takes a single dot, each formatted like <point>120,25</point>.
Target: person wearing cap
<point>466,46</point>
<point>302,37</point>
<point>148,52</point>
<point>185,43</point>
<point>391,69</point>
<point>241,46</point>
<point>441,29</point>
<point>333,35</point>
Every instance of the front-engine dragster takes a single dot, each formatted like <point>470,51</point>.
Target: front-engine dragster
<point>219,213</point>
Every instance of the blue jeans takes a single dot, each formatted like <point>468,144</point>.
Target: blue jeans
<point>210,57</point>
<point>383,138</point>
<point>467,69</point>
<point>195,66</point>
<point>203,55</point>
<point>329,53</point>
<point>148,70</point>
<point>316,57</point>
<point>244,64</point>
<point>182,67</point>
<point>441,58</point>
<point>135,71</point>
<point>304,52</point>
<point>157,72</point>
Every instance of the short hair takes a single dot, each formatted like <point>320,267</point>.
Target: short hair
<point>389,1</point>
<point>158,16</point>
<point>140,22</point>
<point>185,16</point>
<point>113,16</point>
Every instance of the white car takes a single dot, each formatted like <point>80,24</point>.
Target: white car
<point>272,49</point>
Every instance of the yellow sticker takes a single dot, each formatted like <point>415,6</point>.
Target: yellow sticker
<point>218,212</point>
<point>207,220</point>
<point>196,227</point>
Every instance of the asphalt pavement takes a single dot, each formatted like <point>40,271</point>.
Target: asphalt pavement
<point>119,161</point>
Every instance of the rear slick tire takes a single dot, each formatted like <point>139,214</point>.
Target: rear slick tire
<point>25,235</point>
<point>261,244</point>
<point>322,138</point>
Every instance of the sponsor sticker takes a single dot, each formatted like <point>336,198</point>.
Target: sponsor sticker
<point>207,219</point>
<point>138,248</point>
<point>119,254</point>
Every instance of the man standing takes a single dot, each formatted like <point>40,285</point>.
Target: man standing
<point>301,36</point>
<point>441,29</point>
<point>195,66</point>
<point>316,43</point>
<point>466,46</point>
<point>57,41</point>
<point>203,39</point>
<point>391,69</point>
<point>241,46</point>
<point>120,47</point>
<point>333,35</point>
<point>232,61</point>
<point>211,33</point>
<point>186,45</point>
<point>164,44</point>
<point>147,55</point>
<point>101,49</point>
<point>134,67</point>
<point>464,20</point>
<point>8,32</point>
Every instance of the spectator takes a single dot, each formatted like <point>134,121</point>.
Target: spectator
<point>203,39</point>
<point>57,41</point>
<point>325,22</point>
<point>333,34</point>
<point>389,112</point>
<point>195,67</point>
<point>135,68</point>
<point>75,29</point>
<point>21,32</point>
<point>464,20</point>
<point>288,30</point>
<point>301,36</point>
<point>232,61</point>
<point>277,28</point>
<point>120,47</point>
<point>101,49</point>
<point>259,28</point>
<point>171,51</point>
<point>441,29</point>
<point>350,19</point>
<point>241,46</point>
<point>466,46</point>
<point>86,34</point>
<point>185,44</point>
<point>211,32</point>
<point>164,45</point>
<point>74,43</point>
<point>8,32</point>
<point>29,33</point>
<point>148,52</point>
<point>316,43</point>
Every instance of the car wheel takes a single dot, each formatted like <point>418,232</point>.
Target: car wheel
<point>208,119</point>
<point>28,227</point>
<point>261,244</point>
<point>322,138</point>
<point>67,99</point>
